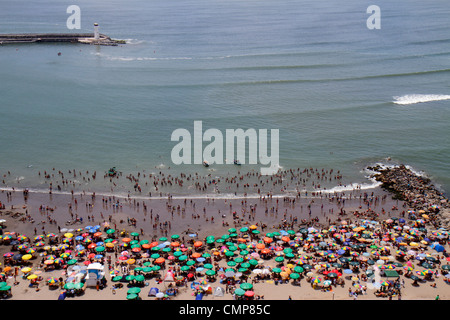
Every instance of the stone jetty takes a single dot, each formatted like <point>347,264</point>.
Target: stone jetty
<point>86,38</point>
<point>417,191</point>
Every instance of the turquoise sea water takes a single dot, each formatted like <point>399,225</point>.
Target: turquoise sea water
<point>341,95</point>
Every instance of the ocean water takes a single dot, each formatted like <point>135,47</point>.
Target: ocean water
<point>342,96</point>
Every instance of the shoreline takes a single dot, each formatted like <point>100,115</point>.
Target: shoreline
<point>196,219</point>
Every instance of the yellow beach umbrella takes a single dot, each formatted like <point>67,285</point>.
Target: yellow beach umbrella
<point>27,257</point>
<point>25,270</point>
<point>32,276</point>
<point>68,235</point>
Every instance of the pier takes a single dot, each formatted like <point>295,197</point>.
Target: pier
<point>86,38</point>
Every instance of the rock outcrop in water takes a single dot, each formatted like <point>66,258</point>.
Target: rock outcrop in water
<point>417,191</point>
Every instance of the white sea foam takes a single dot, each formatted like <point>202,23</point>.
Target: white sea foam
<point>419,98</point>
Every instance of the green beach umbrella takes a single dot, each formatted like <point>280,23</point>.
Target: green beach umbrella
<point>156,268</point>
<point>239,292</point>
<point>156,248</point>
<point>70,285</point>
<point>287,250</point>
<point>155,256</point>
<point>256,231</point>
<point>276,234</point>
<point>115,279</point>
<point>100,249</point>
<point>246,286</point>
<point>147,269</point>
<point>244,229</point>
<point>134,234</point>
<point>210,272</point>
<point>175,236</point>
<point>279,259</point>
<point>166,249</point>
<point>178,253</point>
<point>190,262</point>
<point>208,266</point>
<point>291,232</point>
<point>147,264</point>
<point>233,248</point>
<point>229,253</point>
<point>239,260</point>
<point>289,255</point>
<point>139,278</point>
<point>144,241</point>
<point>253,262</point>
<point>243,253</point>
<point>163,239</point>
<point>269,235</point>
<point>225,237</point>
<point>78,285</point>
<point>206,255</point>
<point>132,242</point>
<point>233,235</point>
<point>232,230</point>
<point>134,290</point>
<point>132,296</point>
<point>184,268</point>
<point>72,261</point>
<point>231,263</point>
<point>242,246</point>
<point>5,288</point>
<point>130,277</point>
<point>220,240</point>
<point>294,275</point>
<point>276,270</point>
<point>183,258</point>
<point>298,269</point>
<point>245,265</point>
<point>110,231</point>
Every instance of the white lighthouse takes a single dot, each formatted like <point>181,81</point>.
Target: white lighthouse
<point>96,33</point>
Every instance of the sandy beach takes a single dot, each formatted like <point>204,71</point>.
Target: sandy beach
<point>358,232</point>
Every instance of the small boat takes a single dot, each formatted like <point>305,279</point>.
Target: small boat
<point>205,163</point>
<point>112,172</point>
<point>236,162</point>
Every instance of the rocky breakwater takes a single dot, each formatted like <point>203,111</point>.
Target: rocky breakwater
<point>419,192</point>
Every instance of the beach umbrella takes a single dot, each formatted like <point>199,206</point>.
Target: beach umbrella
<point>239,292</point>
<point>246,286</point>
<point>249,293</point>
<point>294,276</point>
<point>139,277</point>
<point>27,257</point>
<point>69,286</point>
<point>316,279</point>
<point>134,296</point>
<point>210,272</point>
